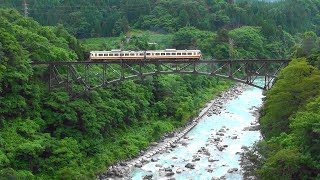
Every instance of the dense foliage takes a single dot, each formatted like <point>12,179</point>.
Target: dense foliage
<point>92,18</point>
<point>52,136</point>
<point>290,121</point>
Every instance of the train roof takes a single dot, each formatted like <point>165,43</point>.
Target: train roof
<point>166,50</point>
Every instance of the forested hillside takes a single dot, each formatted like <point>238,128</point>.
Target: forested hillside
<point>92,18</point>
<point>290,121</point>
<point>50,136</point>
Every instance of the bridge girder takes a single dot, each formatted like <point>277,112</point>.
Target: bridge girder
<point>82,76</point>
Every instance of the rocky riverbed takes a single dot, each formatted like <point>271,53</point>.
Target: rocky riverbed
<point>163,160</point>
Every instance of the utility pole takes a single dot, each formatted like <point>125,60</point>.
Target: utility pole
<point>25,8</point>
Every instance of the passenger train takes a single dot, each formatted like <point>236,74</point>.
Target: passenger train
<point>149,54</point>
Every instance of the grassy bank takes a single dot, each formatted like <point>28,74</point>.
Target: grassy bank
<point>160,41</point>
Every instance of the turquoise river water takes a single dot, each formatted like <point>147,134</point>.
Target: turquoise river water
<point>237,115</point>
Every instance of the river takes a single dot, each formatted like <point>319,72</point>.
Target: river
<point>212,146</point>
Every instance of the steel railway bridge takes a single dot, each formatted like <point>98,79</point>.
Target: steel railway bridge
<point>82,76</point>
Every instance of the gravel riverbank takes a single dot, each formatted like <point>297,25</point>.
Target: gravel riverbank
<point>170,140</point>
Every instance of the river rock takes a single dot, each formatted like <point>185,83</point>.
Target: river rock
<point>210,159</point>
<point>145,160</point>
<point>154,159</point>
<point>172,178</point>
<point>234,137</point>
<point>215,178</point>
<point>123,164</point>
<point>220,148</point>
<point>196,159</point>
<point>210,170</point>
<point>232,170</point>
<point>190,166</point>
<point>158,165</point>
<point>154,144</point>
<point>179,171</point>
<point>173,145</point>
<point>168,169</point>
<point>222,177</point>
<point>148,177</point>
<point>138,165</point>
<point>170,173</point>
<point>252,128</point>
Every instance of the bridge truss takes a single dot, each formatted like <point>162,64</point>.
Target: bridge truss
<point>82,76</point>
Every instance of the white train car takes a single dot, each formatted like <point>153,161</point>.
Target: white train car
<point>150,54</point>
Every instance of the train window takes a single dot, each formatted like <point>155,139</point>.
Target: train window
<point>105,55</point>
<point>174,54</point>
<point>110,54</point>
<point>141,54</point>
<point>95,54</point>
<point>189,53</point>
<point>131,54</point>
<point>100,54</point>
<point>179,54</point>
<point>184,53</point>
<point>127,54</point>
<point>162,54</point>
<point>116,54</point>
<point>121,54</point>
<point>157,54</point>
<point>168,54</point>
<point>148,54</point>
